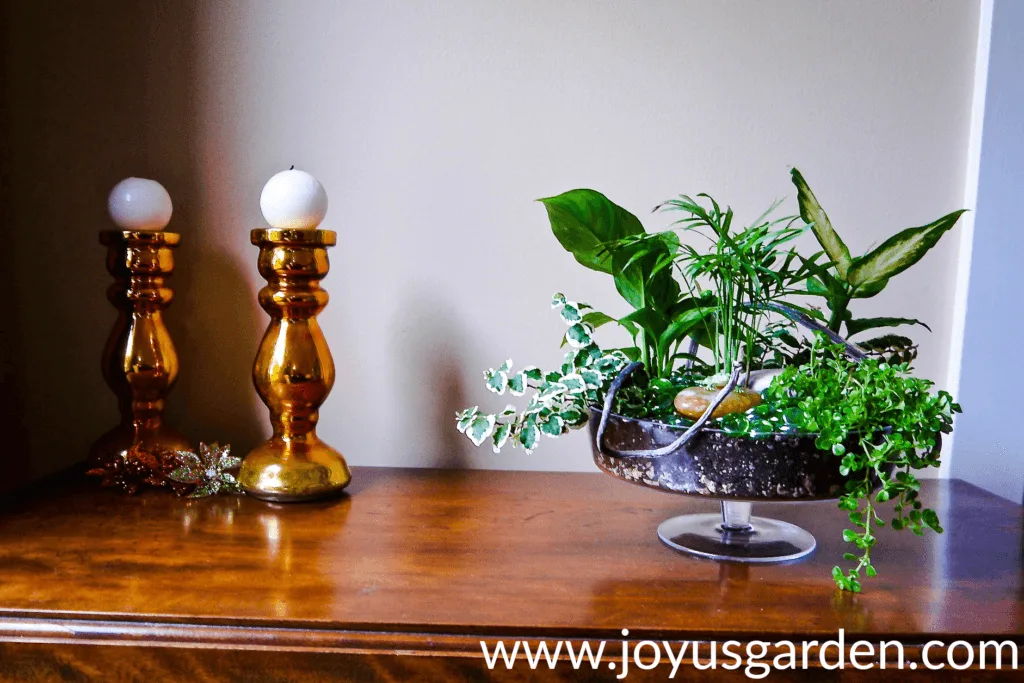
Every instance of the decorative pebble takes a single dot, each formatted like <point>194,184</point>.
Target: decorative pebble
<point>758,380</point>
<point>693,401</point>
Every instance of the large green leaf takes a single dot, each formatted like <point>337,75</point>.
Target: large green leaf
<point>811,212</point>
<point>683,324</point>
<point>596,319</point>
<point>898,253</point>
<point>858,325</point>
<point>637,277</point>
<point>650,319</point>
<point>584,220</point>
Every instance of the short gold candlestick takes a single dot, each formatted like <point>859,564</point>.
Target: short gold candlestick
<point>139,361</point>
<point>294,371</point>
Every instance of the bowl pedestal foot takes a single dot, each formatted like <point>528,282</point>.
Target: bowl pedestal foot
<point>735,536</point>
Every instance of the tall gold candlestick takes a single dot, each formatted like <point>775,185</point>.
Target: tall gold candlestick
<point>294,371</point>
<point>139,361</point>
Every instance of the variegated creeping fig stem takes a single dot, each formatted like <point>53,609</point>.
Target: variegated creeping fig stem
<point>560,398</point>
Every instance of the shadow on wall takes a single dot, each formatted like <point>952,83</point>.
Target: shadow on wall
<point>216,330</point>
<point>215,321</point>
<point>12,376</point>
<point>74,125</point>
<point>94,92</point>
<point>427,353</point>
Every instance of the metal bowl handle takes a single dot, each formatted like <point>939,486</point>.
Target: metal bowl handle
<point>679,442</point>
<point>852,350</point>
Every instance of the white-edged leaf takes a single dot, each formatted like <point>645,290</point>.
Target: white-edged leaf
<point>508,412</point>
<point>578,335</point>
<point>557,299</point>
<point>517,384</point>
<point>611,364</point>
<point>571,313</point>
<point>593,378</point>
<point>466,417</point>
<point>529,436</point>
<point>534,407</point>
<point>574,417</point>
<point>553,426</point>
<point>574,383</point>
<point>500,436</point>
<point>497,380</point>
<point>480,428</point>
<point>550,391</point>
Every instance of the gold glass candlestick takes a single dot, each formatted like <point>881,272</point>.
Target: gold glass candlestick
<point>139,361</point>
<point>294,371</point>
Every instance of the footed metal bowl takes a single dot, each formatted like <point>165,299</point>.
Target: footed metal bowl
<point>712,464</point>
<point>736,470</point>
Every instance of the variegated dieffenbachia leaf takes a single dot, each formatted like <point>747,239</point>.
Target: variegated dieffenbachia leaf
<point>812,213</point>
<point>872,271</point>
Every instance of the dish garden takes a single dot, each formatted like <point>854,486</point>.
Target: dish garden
<point>749,377</point>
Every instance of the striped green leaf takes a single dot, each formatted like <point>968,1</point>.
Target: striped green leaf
<point>899,252</point>
<point>811,212</point>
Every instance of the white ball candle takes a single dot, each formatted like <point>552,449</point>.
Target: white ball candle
<point>293,200</point>
<point>140,204</point>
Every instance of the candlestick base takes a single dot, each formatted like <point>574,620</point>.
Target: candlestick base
<point>286,472</point>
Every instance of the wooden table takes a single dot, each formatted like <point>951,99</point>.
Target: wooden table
<point>403,578</point>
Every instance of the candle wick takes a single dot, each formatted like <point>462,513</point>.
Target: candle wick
<point>292,168</point>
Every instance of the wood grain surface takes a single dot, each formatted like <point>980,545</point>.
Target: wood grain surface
<point>428,562</point>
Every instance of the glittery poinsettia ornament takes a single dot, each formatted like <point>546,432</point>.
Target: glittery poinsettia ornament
<point>135,468</point>
<point>207,471</point>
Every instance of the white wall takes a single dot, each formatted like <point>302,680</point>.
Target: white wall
<point>434,125</point>
<point>987,446</point>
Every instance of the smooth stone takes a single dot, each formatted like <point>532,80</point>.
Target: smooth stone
<point>693,401</point>
<point>758,380</point>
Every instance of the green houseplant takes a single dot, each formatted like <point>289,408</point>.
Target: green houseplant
<point>705,298</point>
<point>865,276</point>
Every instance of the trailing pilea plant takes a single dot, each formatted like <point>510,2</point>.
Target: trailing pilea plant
<point>881,422</point>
